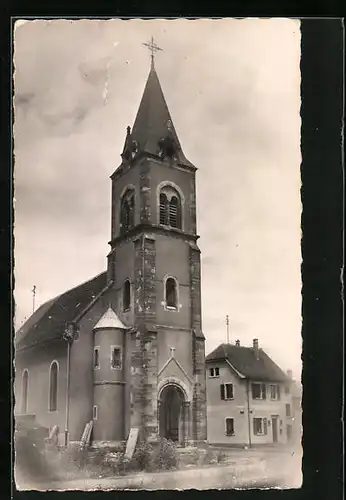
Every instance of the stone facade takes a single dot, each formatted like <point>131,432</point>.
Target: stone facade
<point>162,346</point>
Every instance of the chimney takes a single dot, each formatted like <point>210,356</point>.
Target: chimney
<point>237,343</point>
<point>290,374</point>
<point>256,348</point>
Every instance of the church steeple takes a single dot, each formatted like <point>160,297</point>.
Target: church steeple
<point>153,132</point>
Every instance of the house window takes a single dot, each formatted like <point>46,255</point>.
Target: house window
<point>127,295</point>
<point>258,391</point>
<point>229,426</point>
<point>226,391</point>
<point>171,295</point>
<point>260,426</point>
<point>170,207</point>
<point>95,412</point>
<point>287,389</point>
<point>53,387</point>
<point>116,358</point>
<point>25,385</point>
<point>96,357</point>
<point>274,392</point>
<point>288,410</point>
<point>214,372</point>
<point>127,211</point>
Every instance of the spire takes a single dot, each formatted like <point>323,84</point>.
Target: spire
<point>153,130</point>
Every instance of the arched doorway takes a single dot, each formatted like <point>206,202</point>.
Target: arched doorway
<point>173,416</point>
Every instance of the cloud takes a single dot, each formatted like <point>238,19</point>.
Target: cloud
<point>232,87</point>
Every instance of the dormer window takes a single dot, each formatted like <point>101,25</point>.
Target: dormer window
<point>170,207</point>
<point>171,293</point>
<point>167,147</point>
<point>127,211</point>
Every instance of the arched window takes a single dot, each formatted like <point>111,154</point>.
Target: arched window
<point>171,293</point>
<point>53,387</point>
<point>127,295</point>
<point>170,207</point>
<point>127,211</point>
<point>25,385</point>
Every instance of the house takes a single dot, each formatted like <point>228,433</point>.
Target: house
<point>126,349</point>
<point>248,397</point>
<point>294,410</point>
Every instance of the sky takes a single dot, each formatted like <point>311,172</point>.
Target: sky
<point>233,91</point>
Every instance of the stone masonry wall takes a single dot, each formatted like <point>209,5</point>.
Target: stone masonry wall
<point>144,355</point>
<point>199,410</point>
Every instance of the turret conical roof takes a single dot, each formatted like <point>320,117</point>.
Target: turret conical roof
<point>109,320</point>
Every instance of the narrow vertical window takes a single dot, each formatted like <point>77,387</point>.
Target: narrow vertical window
<point>95,412</point>
<point>171,293</point>
<point>127,295</point>
<point>53,387</point>
<point>25,385</point>
<point>96,357</point>
<point>173,212</point>
<point>127,211</point>
<point>116,361</point>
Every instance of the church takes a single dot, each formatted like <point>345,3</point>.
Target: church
<point>126,348</point>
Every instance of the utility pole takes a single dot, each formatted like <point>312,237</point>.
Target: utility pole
<point>227,327</point>
<point>33,298</point>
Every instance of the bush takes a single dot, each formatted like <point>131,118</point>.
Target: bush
<point>142,458</point>
<point>165,456</point>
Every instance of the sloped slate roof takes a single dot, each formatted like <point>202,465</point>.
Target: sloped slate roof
<point>243,359</point>
<point>153,119</point>
<point>50,320</point>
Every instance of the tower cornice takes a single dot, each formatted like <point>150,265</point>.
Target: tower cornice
<point>148,157</point>
<point>150,230</point>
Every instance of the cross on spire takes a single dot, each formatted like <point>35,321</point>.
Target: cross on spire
<point>152,47</point>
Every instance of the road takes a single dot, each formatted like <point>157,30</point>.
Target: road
<point>247,470</point>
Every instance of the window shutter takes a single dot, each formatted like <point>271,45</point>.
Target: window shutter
<point>253,389</point>
<point>254,426</point>
<point>222,391</point>
<point>264,391</point>
<point>278,392</point>
<point>265,426</point>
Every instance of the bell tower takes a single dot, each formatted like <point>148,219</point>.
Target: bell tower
<point>154,264</point>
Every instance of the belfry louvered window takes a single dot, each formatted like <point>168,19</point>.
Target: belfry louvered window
<point>127,211</point>
<point>170,207</point>
<point>163,209</point>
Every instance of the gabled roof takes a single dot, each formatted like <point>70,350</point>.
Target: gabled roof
<point>244,360</point>
<point>50,320</point>
<point>109,320</point>
<point>153,121</point>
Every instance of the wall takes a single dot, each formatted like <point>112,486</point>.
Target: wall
<point>38,363</point>
<point>237,408</point>
<point>172,258</point>
<point>109,387</point>
<point>81,378</point>
<point>218,410</point>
